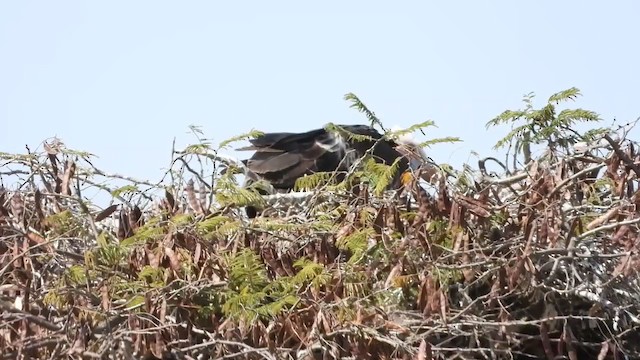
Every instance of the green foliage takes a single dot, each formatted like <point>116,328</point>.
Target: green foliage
<point>266,224</point>
<point>200,148</point>
<point>331,127</point>
<point>181,220</point>
<point>154,276</point>
<point>250,294</point>
<point>311,272</point>
<point>55,299</point>
<point>249,135</point>
<point>361,107</point>
<point>313,181</point>
<point>151,231</point>
<point>357,243</point>
<point>217,226</point>
<point>394,134</point>
<point>228,193</point>
<point>441,234</point>
<point>356,283</point>
<point>125,190</point>
<point>446,139</point>
<point>379,175</point>
<point>76,275</point>
<point>111,255</point>
<point>62,223</point>
<point>134,301</point>
<point>545,125</point>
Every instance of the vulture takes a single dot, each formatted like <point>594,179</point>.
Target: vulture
<point>280,158</point>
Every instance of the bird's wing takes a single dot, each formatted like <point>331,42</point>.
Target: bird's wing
<point>281,158</point>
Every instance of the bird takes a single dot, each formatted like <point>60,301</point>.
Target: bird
<point>281,158</point>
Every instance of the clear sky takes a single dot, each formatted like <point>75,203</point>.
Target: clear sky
<point>121,79</point>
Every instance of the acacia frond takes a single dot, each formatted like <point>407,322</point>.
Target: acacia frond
<point>241,305</point>
<point>312,181</point>
<point>356,283</point>
<point>150,231</point>
<point>200,148</point>
<point>272,309</point>
<point>152,275</point>
<point>218,226</point>
<point>569,94</point>
<point>246,271</point>
<point>76,275</point>
<point>506,116</point>
<point>360,106</point>
<point>249,135</point>
<point>181,220</point>
<point>356,242</point>
<point>380,175</point>
<point>448,139</point>
<point>393,134</point>
<point>570,116</point>
<point>112,255</point>
<point>80,154</point>
<point>311,271</point>
<point>251,295</point>
<point>126,189</point>
<point>278,225</point>
<point>331,127</point>
<point>197,129</point>
<point>543,115</point>
<point>227,192</point>
<point>239,197</point>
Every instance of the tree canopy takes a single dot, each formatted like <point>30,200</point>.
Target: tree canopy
<point>537,260</point>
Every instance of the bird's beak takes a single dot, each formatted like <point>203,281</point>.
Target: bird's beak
<point>406,178</point>
<point>408,175</point>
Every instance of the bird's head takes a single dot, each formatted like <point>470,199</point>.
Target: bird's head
<point>419,163</point>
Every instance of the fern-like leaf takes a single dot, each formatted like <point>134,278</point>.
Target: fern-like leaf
<point>249,135</point>
<point>569,94</point>
<point>312,181</point>
<point>360,106</point>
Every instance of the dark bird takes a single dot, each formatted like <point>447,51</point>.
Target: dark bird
<point>281,158</point>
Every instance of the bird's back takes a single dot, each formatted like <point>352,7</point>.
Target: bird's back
<point>282,157</point>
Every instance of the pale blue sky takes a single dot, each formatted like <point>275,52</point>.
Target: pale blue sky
<point>121,79</point>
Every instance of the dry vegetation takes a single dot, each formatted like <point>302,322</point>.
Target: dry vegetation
<point>538,262</point>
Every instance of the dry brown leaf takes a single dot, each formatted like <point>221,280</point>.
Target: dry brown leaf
<point>604,350</point>
<point>476,207</point>
<point>135,218</point>
<point>443,305</point>
<point>191,197</point>
<point>203,198</point>
<point>17,207</point>
<point>423,295</point>
<point>170,200</point>
<point>197,253</point>
<point>124,230</point>
<point>546,342</point>
<point>158,345</point>
<point>36,239</point>
<point>174,262</point>
<point>66,179</point>
<point>104,296</point>
<point>424,351</point>
<point>395,271</point>
<point>569,340</point>
<point>106,212</point>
